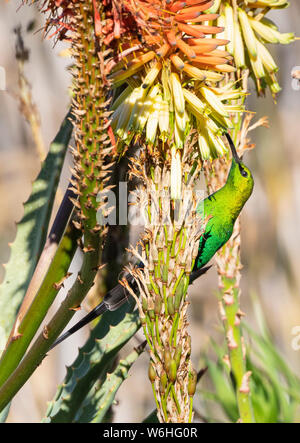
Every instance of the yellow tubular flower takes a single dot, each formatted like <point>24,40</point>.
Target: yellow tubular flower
<point>248,29</point>
<point>216,143</point>
<point>177,91</point>
<point>267,3</point>
<point>203,142</point>
<point>221,22</point>
<point>266,58</point>
<point>152,75</point>
<point>176,174</point>
<point>152,123</point>
<point>229,28</point>
<point>248,33</point>
<point>180,121</point>
<point>238,47</point>
<point>214,101</point>
<point>164,119</point>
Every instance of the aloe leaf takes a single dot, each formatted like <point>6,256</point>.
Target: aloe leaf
<point>274,387</point>
<point>31,232</point>
<point>224,390</point>
<point>111,333</point>
<point>41,303</point>
<point>4,414</point>
<point>265,400</point>
<point>285,383</point>
<point>101,397</point>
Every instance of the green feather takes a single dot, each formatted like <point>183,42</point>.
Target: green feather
<point>223,208</point>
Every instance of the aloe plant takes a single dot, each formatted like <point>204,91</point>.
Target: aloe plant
<point>32,231</point>
<point>92,364</point>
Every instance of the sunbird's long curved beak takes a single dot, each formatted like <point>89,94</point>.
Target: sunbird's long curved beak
<point>232,147</point>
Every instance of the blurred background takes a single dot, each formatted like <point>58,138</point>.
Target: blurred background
<point>270,221</point>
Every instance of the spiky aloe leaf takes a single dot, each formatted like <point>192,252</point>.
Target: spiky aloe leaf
<point>274,387</point>
<point>265,400</point>
<point>274,372</point>
<point>101,397</point>
<point>224,391</point>
<point>107,338</point>
<point>27,323</point>
<point>31,232</point>
<point>4,414</point>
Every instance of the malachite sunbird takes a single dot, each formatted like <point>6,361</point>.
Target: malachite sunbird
<point>222,207</point>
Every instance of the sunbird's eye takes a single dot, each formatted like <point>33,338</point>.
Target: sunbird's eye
<point>243,172</point>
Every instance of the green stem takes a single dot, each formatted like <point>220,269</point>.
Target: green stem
<point>147,338</point>
<point>173,244</point>
<point>191,409</point>
<point>54,328</point>
<point>178,281</point>
<point>235,350</point>
<point>173,328</point>
<point>175,398</point>
<point>165,299</point>
<point>155,398</point>
<point>164,407</point>
<point>150,327</point>
<point>179,245</point>
<point>38,309</point>
<point>157,330</point>
<point>232,326</point>
<point>155,288</point>
<point>176,321</point>
<point>168,390</point>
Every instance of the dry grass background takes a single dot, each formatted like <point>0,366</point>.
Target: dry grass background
<point>270,221</point>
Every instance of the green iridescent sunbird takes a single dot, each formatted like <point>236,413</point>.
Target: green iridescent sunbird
<point>222,208</point>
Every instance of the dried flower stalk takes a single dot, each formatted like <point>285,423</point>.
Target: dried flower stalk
<point>168,250</point>
<point>228,261</point>
<point>26,103</point>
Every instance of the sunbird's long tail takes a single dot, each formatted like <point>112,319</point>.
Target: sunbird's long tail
<point>98,310</point>
<point>112,301</point>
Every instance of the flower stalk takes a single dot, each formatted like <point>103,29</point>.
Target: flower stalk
<point>92,161</point>
<point>168,250</point>
<point>229,265</point>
